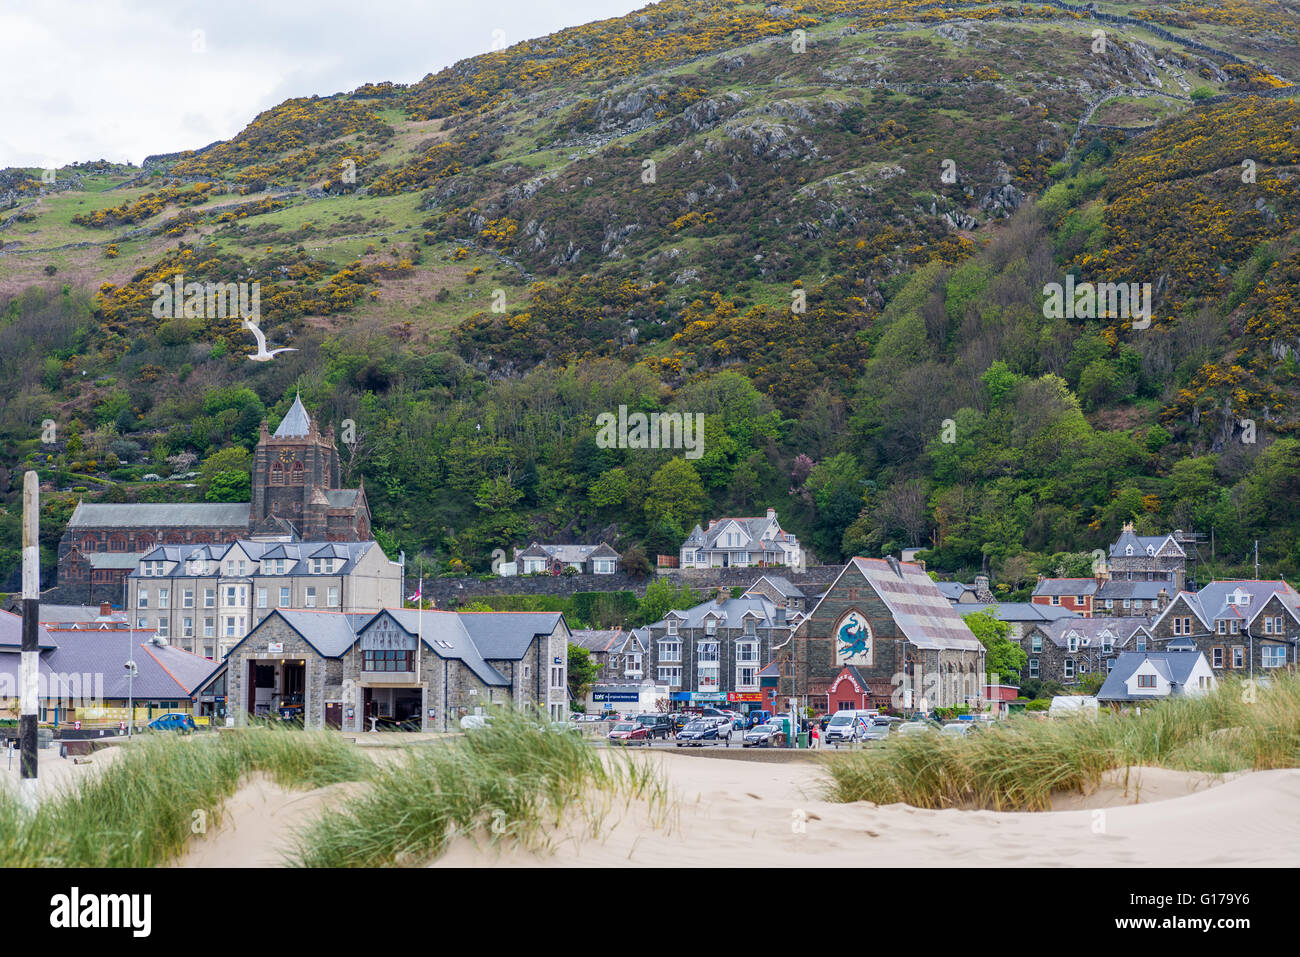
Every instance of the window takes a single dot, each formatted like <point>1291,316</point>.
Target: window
<point>187,598</point>
<point>142,599</point>
<point>1142,643</point>
<point>746,677</point>
<point>374,660</point>
<point>747,652</point>
<point>1072,643</point>
<point>603,566</point>
<point>527,671</point>
<point>711,626</point>
<point>1056,599</point>
<point>187,628</point>
<point>233,622</point>
<point>557,677</point>
<point>1277,625</point>
<point>633,668</point>
<point>750,626</point>
<point>1236,626</point>
<point>332,597</point>
<point>708,651</point>
<point>164,626</point>
<point>1106,645</point>
<point>1068,670</point>
<point>1216,656</point>
<point>209,598</point>
<point>1146,681</point>
<point>1272,656</point>
<point>310,601</point>
<point>209,651</point>
<point>235,596</point>
<point>708,678</point>
<point>261,598</point>
<point>670,676</point>
<point>1238,656</point>
<point>1033,667</point>
<point>163,594</point>
<point>284,597</point>
<point>209,628</point>
<point>672,626</point>
<point>670,651</point>
<point>1222,624</point>
<point>1036,644</point>
<point>142,624</point>
<point>1110,603</point>
<point>296,474</point>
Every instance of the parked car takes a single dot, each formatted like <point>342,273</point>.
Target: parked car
<point>877,730</point>
<point>173,721</point>
<point>915,727</point>
<point>764,736</point>
<point>680,720</point>
<point>846,726</point>
<point>755,718</point>
<point>629,732</point>
<point>725,727</point>
<point>697,733</point>
<point>656,725</point>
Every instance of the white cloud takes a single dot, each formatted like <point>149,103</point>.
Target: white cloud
<point>121,79</point>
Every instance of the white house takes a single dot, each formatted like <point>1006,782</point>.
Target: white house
<point>1149,675</point>
<point>741,542</point>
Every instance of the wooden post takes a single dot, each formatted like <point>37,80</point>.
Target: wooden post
<point>30,649</point>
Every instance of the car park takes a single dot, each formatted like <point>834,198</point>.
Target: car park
<point>629,732</point>
<point>698,733</point>
<point>764,736</point>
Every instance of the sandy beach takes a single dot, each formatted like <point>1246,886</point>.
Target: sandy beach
<point>742,813</point>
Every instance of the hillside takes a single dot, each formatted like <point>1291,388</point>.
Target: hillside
<point>633,212</point>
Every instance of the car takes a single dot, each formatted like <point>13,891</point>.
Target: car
<point>173,721</point>
<point>755,718</point>
<point>656,725</point>
<point>914,727</point>
<point>725,727</point>
<point>764,736</point>
<point>629,732</point>
<point>876,731</point>
<point>696,733</point>
<point>846,726</point>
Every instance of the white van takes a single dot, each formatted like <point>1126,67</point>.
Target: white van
<point>846,726</point>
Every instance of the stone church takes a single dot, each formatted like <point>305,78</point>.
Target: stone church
<point>295,479</point>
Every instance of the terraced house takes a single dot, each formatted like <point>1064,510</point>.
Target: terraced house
<point>712,653</point>
<point>1070,648</point>
<point>205,598</point>
<point>1242,626</point>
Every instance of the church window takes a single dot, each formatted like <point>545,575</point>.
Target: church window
<point>296,475</point>
<point>277,474</point>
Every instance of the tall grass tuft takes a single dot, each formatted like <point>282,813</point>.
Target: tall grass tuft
<point>1018,763</point>
<point>138,810</point>
<point>515,780</point>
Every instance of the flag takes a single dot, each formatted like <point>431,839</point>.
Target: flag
<point>416,596</point>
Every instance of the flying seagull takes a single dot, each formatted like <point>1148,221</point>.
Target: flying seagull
<point>261,355</point>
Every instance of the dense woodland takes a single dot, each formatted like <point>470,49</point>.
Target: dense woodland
<point>920,398</point>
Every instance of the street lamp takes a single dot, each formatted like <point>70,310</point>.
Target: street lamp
<point>131,671</point>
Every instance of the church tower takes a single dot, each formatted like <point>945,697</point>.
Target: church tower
<point>295,484</point>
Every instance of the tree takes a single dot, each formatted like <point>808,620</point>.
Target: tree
<point>662,597</point>
<point>675,495</point>
<point>234,459</point>
<point>1004,659</point>
<point>636,564</point>
<point>583,672</point>
<point>229,486</point>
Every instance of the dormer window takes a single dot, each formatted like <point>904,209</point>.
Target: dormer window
<point>1128,549</point>
<point>1150,550</point>
<point>672,626</point>
<point>711,626</point>
<point>1072,642</point>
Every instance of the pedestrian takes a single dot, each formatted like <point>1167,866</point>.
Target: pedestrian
<point>816,738</point>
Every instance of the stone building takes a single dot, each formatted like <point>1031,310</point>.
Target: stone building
<point>1148,558</point>
<point>905,640</point>
<point>712,653</point>
<point>1248,626</point>
<point>403,668</point>
<point>205,598</point>
<point>295,496</point>
<point>1070,648</point>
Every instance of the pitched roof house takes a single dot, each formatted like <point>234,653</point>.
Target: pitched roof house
<point>599,559</point>
<point>740,543</point>
<point>1239,624</point>
<point>1144,676</point>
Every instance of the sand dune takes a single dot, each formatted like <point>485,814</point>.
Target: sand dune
<point>745,813</point>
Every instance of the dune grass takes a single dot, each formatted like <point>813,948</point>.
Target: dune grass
<point>514,780</point>
<point>138,811</point>
<point>1017,764</point>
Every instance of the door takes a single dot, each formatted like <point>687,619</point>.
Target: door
<point>334,716</point>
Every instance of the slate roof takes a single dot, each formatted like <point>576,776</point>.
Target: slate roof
<point>600,641</point>
<point>924,616</point>
<point>164,671</point>
<point>445,633</point>
<point>11,633</point>
<point>769,670</point>
<point>1018,610</point>
<point>1066,586</point>
<point>729,614</point>
<point>954,590</point>
<point>330,632</point>
<point>752,526</point>
<point>1141,543</point>
<point>113,560</point>
<point>506,635</point>
<point>575,554</point>
<point>296,422</point>
<point>1142,591</point>
<point>1212,602</point>
<point>160,514</point>
<point>297,556</point>
<point>1173,666</point>
<point>82,614</point>
<point>781,584</point>
<point>1092,630</point>
<point>341,497</point>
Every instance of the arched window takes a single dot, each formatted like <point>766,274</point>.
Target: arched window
<point>143,542</point>
<point>277,473</point>
<point>296,475</point>
<point>117,543</point>
<point>87,544</point>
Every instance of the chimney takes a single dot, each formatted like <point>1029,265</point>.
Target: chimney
<point>1162,599</point>
<point>723,594</point>
<point>771,513</point>
<point>982,592</point>
<point>893,564</point>
<point>105,609</point>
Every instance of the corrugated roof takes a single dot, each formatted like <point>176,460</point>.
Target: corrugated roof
<point>160,514</point>
<point>923,614</point>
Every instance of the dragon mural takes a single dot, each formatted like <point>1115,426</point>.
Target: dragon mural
<point>854,637</point>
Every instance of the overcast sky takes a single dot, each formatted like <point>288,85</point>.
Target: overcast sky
<point>121,79</point>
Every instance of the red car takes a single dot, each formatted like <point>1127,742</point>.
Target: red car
<point>627,732</point>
